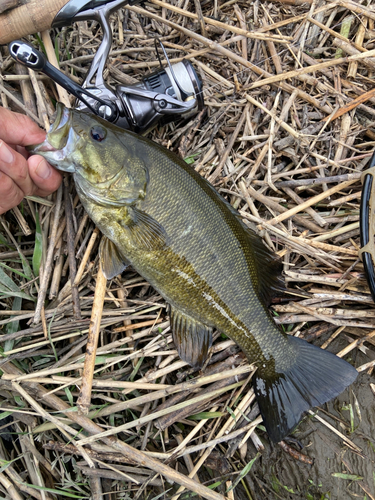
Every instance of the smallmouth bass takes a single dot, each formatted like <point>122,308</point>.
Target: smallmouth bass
<point>161,217</point>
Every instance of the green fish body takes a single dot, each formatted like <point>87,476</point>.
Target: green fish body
<point>162,218</point>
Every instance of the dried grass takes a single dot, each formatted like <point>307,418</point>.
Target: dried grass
<point>287,132</point>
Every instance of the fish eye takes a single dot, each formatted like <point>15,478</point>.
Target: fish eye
<point>98,133</point>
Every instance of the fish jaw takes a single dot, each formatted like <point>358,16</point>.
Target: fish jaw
<point>60,143</point>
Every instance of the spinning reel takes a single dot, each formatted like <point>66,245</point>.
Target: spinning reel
<point>165,95</point>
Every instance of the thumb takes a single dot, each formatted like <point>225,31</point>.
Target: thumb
<point>45,178</point>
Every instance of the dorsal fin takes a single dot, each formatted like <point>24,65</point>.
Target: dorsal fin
<point>267,267</point>
<point>192,338</point>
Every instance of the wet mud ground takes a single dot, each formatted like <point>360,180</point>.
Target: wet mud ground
<point>338,472</point>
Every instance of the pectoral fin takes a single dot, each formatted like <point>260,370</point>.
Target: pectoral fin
<point>113,263</point>
<point>146,231</point>
<point>192,338</point>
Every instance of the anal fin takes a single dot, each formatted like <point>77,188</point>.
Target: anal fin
<point>192,338</point>
<point>113,263</point>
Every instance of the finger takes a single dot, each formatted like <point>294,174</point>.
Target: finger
<point>46,179</point>
<point>10,194</point>
<point>15,166</point>
<point>20,149</point>
<point>19,129</point>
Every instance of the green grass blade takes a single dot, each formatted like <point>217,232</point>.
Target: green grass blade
<point>26,267</point>
<point>245,471</point>
<point>203,415</point>
<point>16,271</point>
<point>4,242</point>
<point>4,464</point>
<point>38,248</point>
<point>7,282</point>
<point>40,41</point>
<point>57,49</point>
<point>8,293</point>
<point>63,493</point>
<point>349,477</point>
<point>13,326</point>
<point>5,414</point>
<point>161,495</point>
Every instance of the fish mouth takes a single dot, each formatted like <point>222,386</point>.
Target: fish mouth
<point>60,141</point>
<point>62,118</point>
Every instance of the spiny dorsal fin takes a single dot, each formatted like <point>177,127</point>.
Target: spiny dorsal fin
<point>146,231</point>
<point>113,263</point>
<point>192,338</point>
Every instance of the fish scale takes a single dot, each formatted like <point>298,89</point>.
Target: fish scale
<point>218,263</point>
<point>160,216</point>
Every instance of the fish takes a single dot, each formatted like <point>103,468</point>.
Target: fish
<point>158,215</point>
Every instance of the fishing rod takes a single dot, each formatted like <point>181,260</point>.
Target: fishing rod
<point>164,95</point>
<point>21,18</point>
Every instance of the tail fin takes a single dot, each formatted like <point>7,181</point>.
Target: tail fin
<point>315,377</point>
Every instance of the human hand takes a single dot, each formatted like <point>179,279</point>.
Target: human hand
<point>20,175</point>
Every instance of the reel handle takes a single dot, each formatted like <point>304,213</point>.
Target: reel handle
<point>29,56</point>
<point>29,18</point>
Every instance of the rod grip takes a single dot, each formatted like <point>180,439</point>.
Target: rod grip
<point>30,17</point>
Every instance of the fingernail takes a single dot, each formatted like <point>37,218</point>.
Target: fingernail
<point>43,170</point>
<point>6,154</point>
